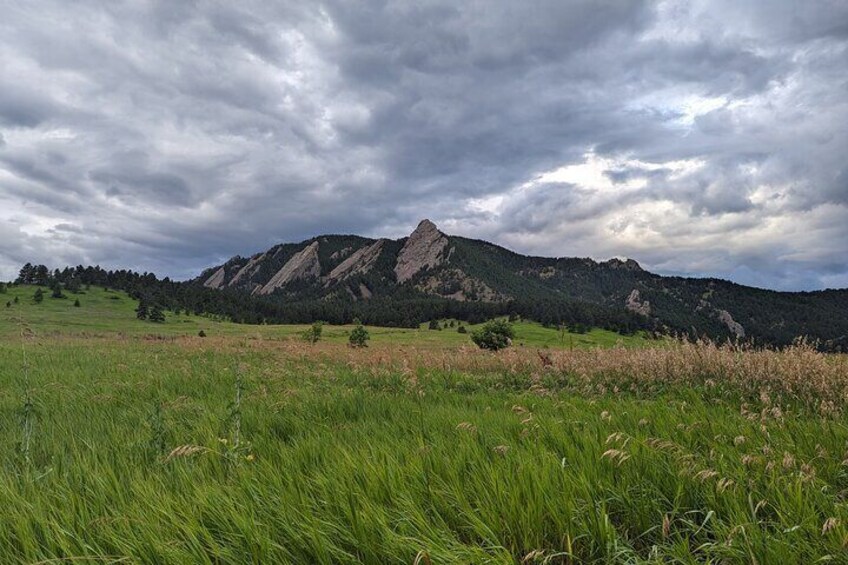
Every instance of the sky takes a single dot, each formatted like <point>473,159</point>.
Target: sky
<point>701,138</point>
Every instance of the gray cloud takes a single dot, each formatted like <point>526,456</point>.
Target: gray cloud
<point>701,138</point>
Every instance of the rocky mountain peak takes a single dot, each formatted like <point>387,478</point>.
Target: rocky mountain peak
<point>422,250</point>
<point>626,264</point>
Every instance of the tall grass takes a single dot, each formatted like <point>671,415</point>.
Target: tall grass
<point>691,453</point>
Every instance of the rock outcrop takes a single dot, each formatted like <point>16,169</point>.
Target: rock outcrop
<point>216,280</point>
<point>359,263</point>
<point>732,325</point>
<point>303,265</point>
<point>456,285</point>
<point>634,303</point>
<point>423,250</point>
<point>364,291</point>
<point>248,270</point>
<point>627,264</point>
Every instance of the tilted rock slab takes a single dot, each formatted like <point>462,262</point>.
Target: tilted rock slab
<point>216,280</point>
<point>248,270</point>
<point>303,265</point>
<point>359,263</point>
<point>423,250</point>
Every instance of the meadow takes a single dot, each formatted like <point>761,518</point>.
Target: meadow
<point>128,442</point>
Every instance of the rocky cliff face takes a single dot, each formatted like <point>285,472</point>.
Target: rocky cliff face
<point>423,250</point>
<point>634,303</point>
<point>303,265</point>
<point>216,280</point>
<point>732,325</point>
<point>248,270</point>
<point>358,263</point>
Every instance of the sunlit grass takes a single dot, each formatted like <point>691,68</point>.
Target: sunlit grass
<point>384,455</point>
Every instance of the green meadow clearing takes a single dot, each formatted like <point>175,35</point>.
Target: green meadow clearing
<point>129,442</point>
<point>109,313</point>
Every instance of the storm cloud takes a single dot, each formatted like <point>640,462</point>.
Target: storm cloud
<point>699,138</point>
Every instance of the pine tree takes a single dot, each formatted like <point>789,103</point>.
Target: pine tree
<point>27,274</point>
<point>41,276</point>
<point>76,303</point>
<point>56,290</point>
<point>38,297</point>
<point>156,314</point>
<point>141,312</point>
<point>73,285</point>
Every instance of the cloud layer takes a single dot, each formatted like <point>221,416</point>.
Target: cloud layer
<point>700,138</point>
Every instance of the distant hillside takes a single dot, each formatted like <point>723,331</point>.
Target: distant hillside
<point>427,265</point>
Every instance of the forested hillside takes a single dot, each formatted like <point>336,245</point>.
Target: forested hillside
<point>430,275</point>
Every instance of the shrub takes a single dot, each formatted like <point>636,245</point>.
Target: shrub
<point>359,336</point>
<point>38,297</point>
<point>201,333</point>
<point>434,325</point>
<point>462,330</point>
<point>313,334</point>
<point>494,335</point>
<point>76,303</point>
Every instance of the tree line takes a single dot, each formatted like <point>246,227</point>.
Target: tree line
<point>155,295</point>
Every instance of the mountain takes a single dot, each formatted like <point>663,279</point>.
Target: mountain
<point>429,265</point>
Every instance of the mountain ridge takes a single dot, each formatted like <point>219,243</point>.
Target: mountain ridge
<point>431,264</point>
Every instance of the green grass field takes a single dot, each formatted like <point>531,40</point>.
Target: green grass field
<point>127,442</point>
<point>108,312</point>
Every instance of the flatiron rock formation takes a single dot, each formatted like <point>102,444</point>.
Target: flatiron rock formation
<point>423,250</point>
<point>216,280</point>
<point>359,263</point>
<point>303,265</point>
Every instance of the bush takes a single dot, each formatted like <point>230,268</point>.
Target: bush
<point>38,297</point>
<point>434,325</point>
<point>359,336</point>
<point>461,330</point>
<point>494,335</point>
<point>201,333</point>
<point>313,334</point>
<point>76,303</point>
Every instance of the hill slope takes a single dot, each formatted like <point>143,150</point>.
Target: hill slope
<point>432,265</point>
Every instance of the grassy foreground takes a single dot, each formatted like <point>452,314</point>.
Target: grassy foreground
<point>248,448</point>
